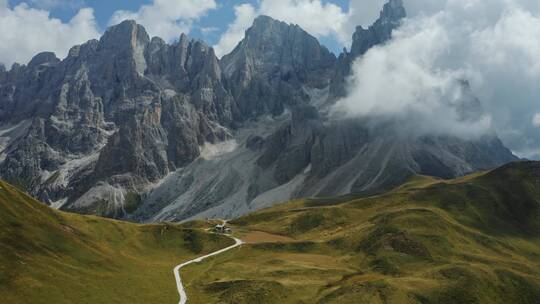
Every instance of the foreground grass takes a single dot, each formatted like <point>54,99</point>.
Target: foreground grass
<point>471,240</point>
<point>52,257</point>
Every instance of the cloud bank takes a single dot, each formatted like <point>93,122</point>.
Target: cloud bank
<point>27,31</point>
<point>401,81</point>
<point>416,77</point>
<point>245,15</point>
<point>536,120</point>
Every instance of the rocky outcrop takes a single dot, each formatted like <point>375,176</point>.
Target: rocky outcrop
<point>364,39</point>
<point>269,67</point>
<point>125,110</point>
<point>283,158</point>
<point>381,31</point>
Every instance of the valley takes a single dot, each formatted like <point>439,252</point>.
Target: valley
<point>253,162</point>
<point>47,256</point>
<point>474,239</point>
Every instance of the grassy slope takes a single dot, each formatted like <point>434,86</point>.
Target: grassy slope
<point>53,257</point>
<point>471,240</point>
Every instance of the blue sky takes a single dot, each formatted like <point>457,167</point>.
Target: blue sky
<point>216,19</point>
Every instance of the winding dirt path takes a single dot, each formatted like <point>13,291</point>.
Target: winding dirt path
<point>180,286</point>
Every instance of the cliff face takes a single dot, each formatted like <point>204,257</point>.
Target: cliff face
<point>378,33</point>
<point>269,67</point>
<point>133,127</point>
<point>122,111</point>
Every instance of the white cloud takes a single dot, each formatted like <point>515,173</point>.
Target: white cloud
<point>166,18</point>
<point>493,44</point>
<point>536,120</point>
<point>245,14</point>
<point>400,81</point>
<point>209,30</point>
<point>27,31</point>
<point>365,12</point>
<point>513,41</point>
<point>315,16</point>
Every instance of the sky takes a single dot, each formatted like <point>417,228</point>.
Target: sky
<point>208,21</point>
<point>417,78</point>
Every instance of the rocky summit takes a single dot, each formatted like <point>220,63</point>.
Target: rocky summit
<point>133,127</point>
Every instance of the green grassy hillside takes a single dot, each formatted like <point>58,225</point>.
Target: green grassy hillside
<point>52,257</point>
<point>470,240</point>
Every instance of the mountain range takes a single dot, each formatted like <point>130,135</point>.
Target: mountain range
<point>132,127</point>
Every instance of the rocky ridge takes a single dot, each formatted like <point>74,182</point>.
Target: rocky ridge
<point>132,127</point>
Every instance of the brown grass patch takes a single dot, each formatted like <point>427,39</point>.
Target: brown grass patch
<point>256,237</point>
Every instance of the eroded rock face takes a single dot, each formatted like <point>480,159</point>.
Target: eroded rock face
<point>125,108</point>
<point>267,70</point>
<point>129,126</point>
<point>381,31</point>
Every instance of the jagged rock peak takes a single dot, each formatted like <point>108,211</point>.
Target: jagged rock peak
<point>264,20</point>
<point>126,33</point>
<point>264,23</point>
<point>127,43</point>
<point>390,18</point>
<point>83,49</point>
<point>378,33</point>
<point>393,11</point>
<point>275,58</point>
<point>270,43</point>
<point>267,30</point>
<point>43,58</point>
<point>157,41</point>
